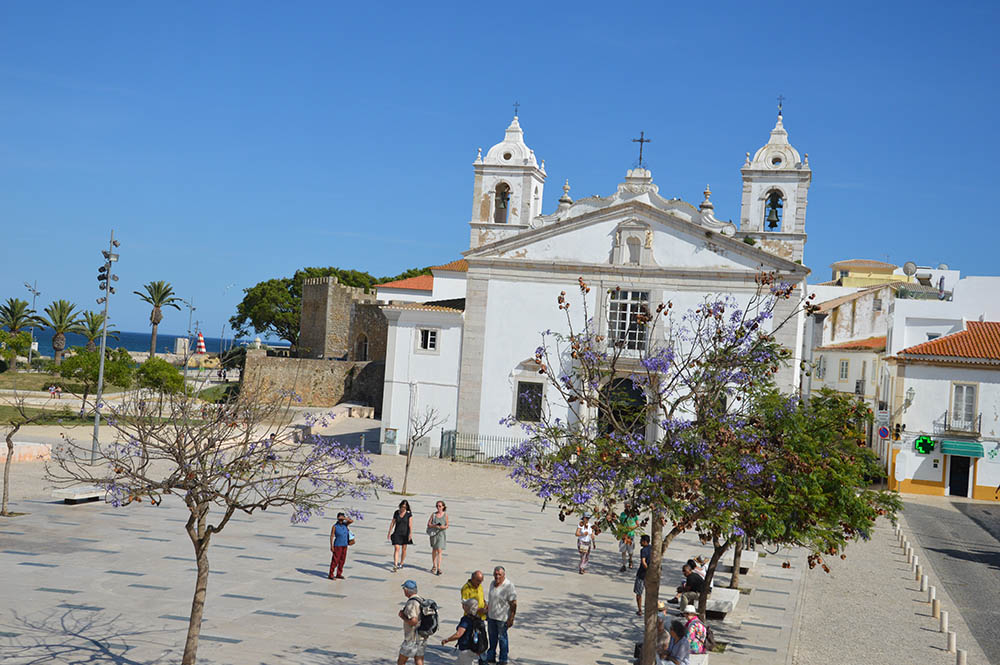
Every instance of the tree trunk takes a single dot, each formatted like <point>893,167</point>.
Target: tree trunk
<point>6,470</point>
<point>720,549</point>
<point>58,346</point>
<point>91,345</point>
<point>650,635</point>
<point>734,581</point>
<point>406,471</point>
<point>152,342</point>
<point>199,539</point>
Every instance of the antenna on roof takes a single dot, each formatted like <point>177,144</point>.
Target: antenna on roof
<point>909,268</point>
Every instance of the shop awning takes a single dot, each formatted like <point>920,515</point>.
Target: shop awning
<point>964,448</point>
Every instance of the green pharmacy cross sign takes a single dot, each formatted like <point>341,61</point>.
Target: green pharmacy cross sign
<point>923,444</point>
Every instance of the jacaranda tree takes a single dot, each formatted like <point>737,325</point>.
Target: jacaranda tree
<point>220,462</point>
<point>660,415</point>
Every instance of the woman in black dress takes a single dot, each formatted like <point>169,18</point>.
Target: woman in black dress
<point>400,533</point>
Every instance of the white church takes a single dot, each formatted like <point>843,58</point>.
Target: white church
<point>462,342</point>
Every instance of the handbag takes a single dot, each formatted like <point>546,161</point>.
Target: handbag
<point>350,537</point>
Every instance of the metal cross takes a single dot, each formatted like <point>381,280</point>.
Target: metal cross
<point>781,100</point>
<point>642,139</point>
<point>517,105</point>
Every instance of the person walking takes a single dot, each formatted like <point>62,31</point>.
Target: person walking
<point>464,633</point>
<point>501,607</point>
<point>626,543</point>
<point>473,588</point>
<point>585,541</point>
<point>413,644</point>
<point>400,533</point>
<point>645,551</point>
<point>340,538</point>
<point>437,523</point>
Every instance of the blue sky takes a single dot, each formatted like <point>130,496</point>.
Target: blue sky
<point>230,142</point>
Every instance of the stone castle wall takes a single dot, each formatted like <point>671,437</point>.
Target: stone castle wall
<point>318,381</point>
<point>325,326</point>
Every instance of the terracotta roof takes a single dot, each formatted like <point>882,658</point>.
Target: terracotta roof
<point>827,305</point>
<point>461,265</point>
<point>864,264</point>
<point>418,283</point>
<point>980,341</point>
<point>867,344</point>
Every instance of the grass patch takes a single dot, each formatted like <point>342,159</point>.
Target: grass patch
<point>745,590</point>
<point>720,647</point>
<point>40,381</point>
<point>63,416</point>
<point>762,555</point>
<point>13,514</point>
<point>220,394</point>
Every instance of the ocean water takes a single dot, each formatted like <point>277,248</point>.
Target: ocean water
<point>139,341</point>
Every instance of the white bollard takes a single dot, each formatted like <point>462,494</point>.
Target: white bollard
<point>932,595</point>
<point>923,584</point>
<point>944,622</point>
<point>952,641</point>
<point>909,555</point>
<point>935,608</point>
<point>916,561</point>
<point>960,658</point>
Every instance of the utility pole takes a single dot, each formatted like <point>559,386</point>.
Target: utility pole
<point>104,279</point>
<point>222,336</point>
<point>33,290</point>
<point>187,350</point>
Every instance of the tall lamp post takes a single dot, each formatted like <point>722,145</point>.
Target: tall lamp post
<point>104,279</point>
<point>187,350</point>
<point>222,335</point>
<point>33,290</point>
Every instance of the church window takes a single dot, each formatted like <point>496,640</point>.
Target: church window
<point>774,210</point>
<point>633,250</point>
<point>529,401</point>
<point>428,340</point>
<point>845,367</point>
<point>361,348</point>
<point>502,200</point>
<point>624,326</point>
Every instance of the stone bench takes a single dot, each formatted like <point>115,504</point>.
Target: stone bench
<point>79,494</point>
<point>722,600</point>
<point>748,559</point>
<point>693,659</point>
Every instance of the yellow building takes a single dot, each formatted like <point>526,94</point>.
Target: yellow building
<point>865,272</point>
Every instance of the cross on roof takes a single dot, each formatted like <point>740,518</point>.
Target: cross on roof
<point>781,100</point>
<point>642,139</point>
<point>517,105</point>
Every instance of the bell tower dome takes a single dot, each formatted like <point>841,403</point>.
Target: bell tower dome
<point>507,189</point>
<point>775,193</point>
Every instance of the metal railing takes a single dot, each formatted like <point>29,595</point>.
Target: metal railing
<point>965,425</point>
<point>477,448</point>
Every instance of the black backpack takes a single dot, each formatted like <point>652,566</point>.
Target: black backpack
<point>709,639</point>
<point>428,617</point>
<point>475,638</point>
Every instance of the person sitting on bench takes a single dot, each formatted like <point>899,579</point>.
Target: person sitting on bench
<point>689,592</point>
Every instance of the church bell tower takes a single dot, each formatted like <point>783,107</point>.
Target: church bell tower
<point>507,191</point>
<point>775,193</point>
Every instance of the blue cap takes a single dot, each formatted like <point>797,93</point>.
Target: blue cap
<point>410,584</point>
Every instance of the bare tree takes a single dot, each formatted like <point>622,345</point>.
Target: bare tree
<point>13,424</point>
<point>232,457</point>
<point>421,424</point>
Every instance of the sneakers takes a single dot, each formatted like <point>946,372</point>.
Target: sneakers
<point>674,601</point>
<point>622,569</point>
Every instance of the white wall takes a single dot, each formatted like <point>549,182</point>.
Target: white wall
<point>912,320</point>
<point>932,386</point>
<point>448,284</point>
<point>419,379</point>
<point>403,295</point>
<point>831,378</point>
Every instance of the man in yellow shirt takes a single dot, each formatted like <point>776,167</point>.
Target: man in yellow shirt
<point>474,589</point>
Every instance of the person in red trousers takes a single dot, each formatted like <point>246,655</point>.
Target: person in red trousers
<point>340,537</point>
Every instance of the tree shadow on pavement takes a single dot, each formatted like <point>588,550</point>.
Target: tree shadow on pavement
<point>984,557</point>
<point>76,636</point>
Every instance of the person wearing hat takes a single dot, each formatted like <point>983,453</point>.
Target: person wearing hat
<point>696,630</point>
<point>413,645</point>
<point>585,541</point>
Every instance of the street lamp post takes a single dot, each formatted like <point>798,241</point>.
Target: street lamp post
<point>187,350</point>
<point>104,279</point>
<point>33,290</point>
<point>222,335</point>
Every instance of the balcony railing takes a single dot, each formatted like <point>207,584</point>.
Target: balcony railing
<point>962,425</point>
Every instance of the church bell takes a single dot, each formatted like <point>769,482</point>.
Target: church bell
<point>772,218</point>
<point>773,204</point>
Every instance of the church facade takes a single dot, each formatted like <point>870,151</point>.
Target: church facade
<point>464,346</point>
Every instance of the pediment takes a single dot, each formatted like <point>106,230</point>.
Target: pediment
<point>637,234</point>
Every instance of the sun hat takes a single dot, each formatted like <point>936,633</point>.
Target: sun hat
<point>409,584</point>
<point>690,609</point>
<point>661,605</point>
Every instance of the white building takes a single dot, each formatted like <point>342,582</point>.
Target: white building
<point>466,350</point>
<point>946,394</point>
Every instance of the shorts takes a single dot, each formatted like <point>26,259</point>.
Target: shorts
<point>626,546</point>
<point>413,649</point>
<point>639,587</point>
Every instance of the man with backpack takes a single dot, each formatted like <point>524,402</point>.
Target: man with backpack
<point>420,621</point>
<point>472,639</point>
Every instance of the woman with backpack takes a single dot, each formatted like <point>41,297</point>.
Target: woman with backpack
<point>470,634</point>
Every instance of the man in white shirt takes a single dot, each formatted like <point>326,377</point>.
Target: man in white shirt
<point>501,606</point>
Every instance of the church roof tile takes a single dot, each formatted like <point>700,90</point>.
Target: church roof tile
<point>461,265</point>
<point>418,283</point>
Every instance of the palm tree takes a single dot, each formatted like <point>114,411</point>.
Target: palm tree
<point>62,318</point>
<point>158,294</point>
<point>15,315</point>
<point>90,327</point>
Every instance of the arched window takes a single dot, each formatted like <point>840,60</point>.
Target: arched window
<point>773,211</point>
<point>502,203</point>
<point>634,249</point>
<point>361,348</point>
